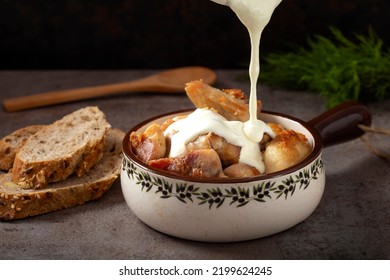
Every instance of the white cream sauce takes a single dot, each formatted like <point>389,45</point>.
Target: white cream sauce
<point>255,15</point>
<point>203,121</point>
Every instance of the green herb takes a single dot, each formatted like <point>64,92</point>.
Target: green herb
<point>338,69</point>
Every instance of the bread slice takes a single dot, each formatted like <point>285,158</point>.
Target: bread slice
<point>70,145</point>
<point>16,202</point>
<point>10,144</point>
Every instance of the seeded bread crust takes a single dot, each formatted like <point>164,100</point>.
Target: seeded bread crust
<point>70,145</point>
<point>10,144</point>
<point>16,202</point>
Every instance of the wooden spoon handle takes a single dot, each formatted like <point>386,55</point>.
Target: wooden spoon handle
<point>169,81</point>
<point>57,97</point>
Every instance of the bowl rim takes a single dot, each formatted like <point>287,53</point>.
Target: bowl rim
<point>314,154</point>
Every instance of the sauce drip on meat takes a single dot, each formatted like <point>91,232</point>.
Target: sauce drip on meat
<point>255,15</point>
<point>203,121</point>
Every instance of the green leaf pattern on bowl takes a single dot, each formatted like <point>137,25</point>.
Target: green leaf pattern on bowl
<point>215,197</point>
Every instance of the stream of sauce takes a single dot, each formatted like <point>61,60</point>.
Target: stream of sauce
<point>255,15</point>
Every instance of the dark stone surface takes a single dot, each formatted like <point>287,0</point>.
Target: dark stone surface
<point>134,34</point>
<point>351,221</point>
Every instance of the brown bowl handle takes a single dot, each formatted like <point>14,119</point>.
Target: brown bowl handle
<point>341,123</point>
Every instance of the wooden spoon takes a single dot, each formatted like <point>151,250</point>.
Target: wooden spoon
<point>169,81</point>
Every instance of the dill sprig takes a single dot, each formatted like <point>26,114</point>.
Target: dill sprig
<point>338,69</point>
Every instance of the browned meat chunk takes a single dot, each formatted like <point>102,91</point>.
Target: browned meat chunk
<point>231,103</point>
<point>197,163</point>
<point>228,153</point>
<point>150,144</point>
<point>240,170</point>
<point>202,142</point>
<point>285,150</point>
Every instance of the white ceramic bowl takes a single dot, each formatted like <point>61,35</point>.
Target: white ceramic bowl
<point>225,210</point>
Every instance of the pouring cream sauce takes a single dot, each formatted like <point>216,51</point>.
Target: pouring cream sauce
<point>255,15</point>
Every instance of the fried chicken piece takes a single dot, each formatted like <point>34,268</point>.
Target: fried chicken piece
<point>276,128</point>
<point>203,163</point>
<point>202,142</point>
<point>150,144</point>
<point>228,153</point>
<point>240,170</point>
<point>231,103</point>
<point>285,150</point>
